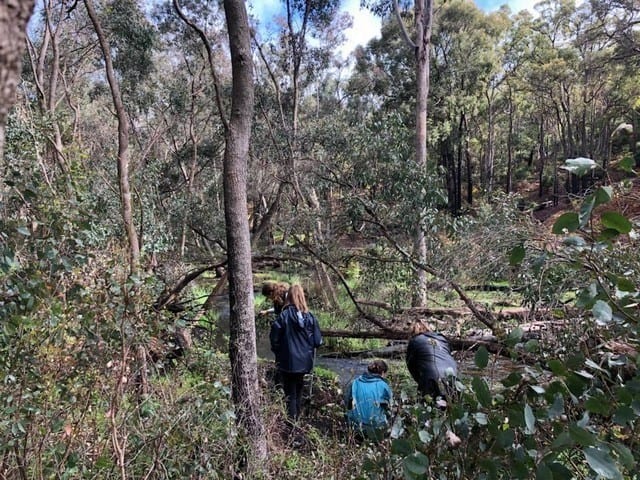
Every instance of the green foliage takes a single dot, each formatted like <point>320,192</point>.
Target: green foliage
<point>133,40</point>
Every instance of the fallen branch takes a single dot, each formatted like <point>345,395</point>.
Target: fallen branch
<point>490,342</point>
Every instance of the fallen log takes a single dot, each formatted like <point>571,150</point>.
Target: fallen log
<point>490,342</point>
<point>506,313</point>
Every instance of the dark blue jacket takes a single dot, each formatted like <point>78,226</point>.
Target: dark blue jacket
<point>294,337</point>
<point>429,358</point>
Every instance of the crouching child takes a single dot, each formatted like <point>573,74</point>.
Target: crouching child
<point>367,400</point>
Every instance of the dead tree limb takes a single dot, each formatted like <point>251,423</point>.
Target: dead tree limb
<point>169,296</point>
<point>490,342</point>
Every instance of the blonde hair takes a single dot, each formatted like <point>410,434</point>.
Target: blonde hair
<point>296,298</point>
<point>420,326</point>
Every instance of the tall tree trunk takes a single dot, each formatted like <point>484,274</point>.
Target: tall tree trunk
<point>424,18</point>
<point>126,202</point>
<point>14,16</point>
<point>242,340</point>
<point>541,155</point>
<point>509,179</point>
<point>491,146</point>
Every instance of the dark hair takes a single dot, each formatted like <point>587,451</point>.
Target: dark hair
<point>378,366</point>
<point>276,292</point>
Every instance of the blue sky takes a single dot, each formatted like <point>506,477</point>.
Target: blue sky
<point>365,24</point>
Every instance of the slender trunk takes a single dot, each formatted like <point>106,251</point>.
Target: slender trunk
<point>123,143</point>
<point>491,148</point>
<point>242,339</point>
<point>509,180</point>
<point>541,155</point>
<point>423,15</point>
<point>460,155</point>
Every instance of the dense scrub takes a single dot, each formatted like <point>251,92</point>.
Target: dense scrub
<point>83,396</point>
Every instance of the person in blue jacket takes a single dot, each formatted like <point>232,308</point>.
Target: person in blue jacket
<point>367,400</point>
<point>430,363</point>
<point>294,337</point>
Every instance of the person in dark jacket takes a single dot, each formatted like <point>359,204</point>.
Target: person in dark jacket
<point>294,337</point>
<point>367,400</point>
<point>430,362</point>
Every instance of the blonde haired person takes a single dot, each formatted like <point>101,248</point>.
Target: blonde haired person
<point>294,337</point>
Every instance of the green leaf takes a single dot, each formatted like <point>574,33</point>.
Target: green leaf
<point>481,389</point>
<point>616,221</point>
<point>560,471</point>
<point>624,415</point>
<point>606,235</point>
<point>482,357</point>
<point>625,455</point>
<point>601,462</point>
<point>529,420</point>
<point>103,462</point>
<point>603,195</point>
<point>567,221</point>
<point>557,367</point>
<point>401,447</point>
<point>562,441</point>
<point>505,438</point>
<point>543,472</point>
<point>532,345</point>
<point>581,436</point>
<point>597,405</point>
<point>627,164</point>
<point>586,209</point>
<point>517,255</point>
<point>515,336</point>
<point>416,465</point>
<point>424,436</point>
<point>24,231</point>
<point>512,379</point>
<point>602,312</point>
<point>625,285</point>
<point>557,408</point>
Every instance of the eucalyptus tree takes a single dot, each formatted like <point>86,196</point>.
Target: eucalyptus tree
<point>195,83</point>
<point>418,41</point>
<point>242,340</point>
<point>619,20</point>
<point>520,139</point>
<point>571,77</point>
<point>467,78</point>
<point>49,74</point>
<point>123,141</point>
<point>290,65</point>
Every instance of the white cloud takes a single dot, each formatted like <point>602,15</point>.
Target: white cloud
<point>365,26</point>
